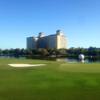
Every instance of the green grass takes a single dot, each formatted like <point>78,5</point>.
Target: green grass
<point>55,81</point>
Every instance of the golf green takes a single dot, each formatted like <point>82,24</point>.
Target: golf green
<point>54,81</point>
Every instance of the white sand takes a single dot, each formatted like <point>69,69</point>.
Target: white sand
<point>25,65</point>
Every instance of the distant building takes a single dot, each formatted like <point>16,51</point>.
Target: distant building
<point>31,43</point>
<point>56,41</point>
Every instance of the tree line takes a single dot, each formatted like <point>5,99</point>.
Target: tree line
<point>91,52</point>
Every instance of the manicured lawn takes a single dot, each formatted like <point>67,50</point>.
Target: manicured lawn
<point>55,81</point>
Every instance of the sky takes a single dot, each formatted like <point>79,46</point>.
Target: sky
<point>78,19</point>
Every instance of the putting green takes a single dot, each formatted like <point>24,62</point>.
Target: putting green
<point>79,67</point>
<point>55,81</point>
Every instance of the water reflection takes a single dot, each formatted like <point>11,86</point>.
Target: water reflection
<point>66,60</point>
<point>71,60</point>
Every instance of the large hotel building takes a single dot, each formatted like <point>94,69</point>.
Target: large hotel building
<point>55,41</point>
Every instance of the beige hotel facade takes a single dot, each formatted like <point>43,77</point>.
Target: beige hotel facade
<point>55,41</point>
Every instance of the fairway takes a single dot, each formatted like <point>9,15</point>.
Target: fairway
<point>53,81</point>
<point>81,67</point>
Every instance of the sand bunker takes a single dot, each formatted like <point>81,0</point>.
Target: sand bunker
<point>26,65</point>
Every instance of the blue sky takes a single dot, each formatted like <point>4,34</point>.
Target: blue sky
<point>79,19</point>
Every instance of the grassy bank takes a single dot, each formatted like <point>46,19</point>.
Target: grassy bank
<point>55,81</point>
